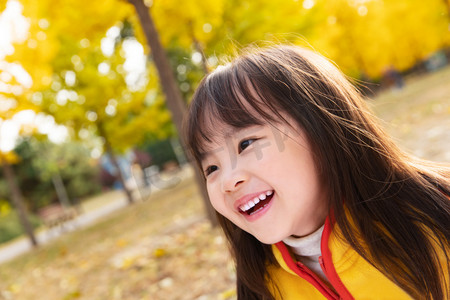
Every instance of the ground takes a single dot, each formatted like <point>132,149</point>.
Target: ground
<point>164,248</point>
<point>418,116</point>
<point>161,248</point>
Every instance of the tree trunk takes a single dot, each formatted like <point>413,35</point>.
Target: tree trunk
<point>178,150</point>
<point>17,199</point>
<point>61,191</point>
<point>174,99</point>
<point>167,79</point>
<point>199,49</point>
<point>113,158</point>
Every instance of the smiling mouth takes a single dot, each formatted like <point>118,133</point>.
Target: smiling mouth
<point>255,205</point>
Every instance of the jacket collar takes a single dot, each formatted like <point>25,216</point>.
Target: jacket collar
<point>330,241</point>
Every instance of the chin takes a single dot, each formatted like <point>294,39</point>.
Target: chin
<point>270,237</point>
<point>268,240</point>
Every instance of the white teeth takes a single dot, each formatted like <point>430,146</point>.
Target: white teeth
<point>254,201</point>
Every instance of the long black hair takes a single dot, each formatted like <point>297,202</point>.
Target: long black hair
<point>396,213</point>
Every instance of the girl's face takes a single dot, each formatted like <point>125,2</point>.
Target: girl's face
<point>263,179</point>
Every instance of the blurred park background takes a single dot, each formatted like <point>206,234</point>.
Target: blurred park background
<point>97,199</point>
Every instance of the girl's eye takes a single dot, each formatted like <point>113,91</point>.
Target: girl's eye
<point>245,143</point>
<point>210,169</point>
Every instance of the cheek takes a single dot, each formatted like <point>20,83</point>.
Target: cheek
<point>214,197</point>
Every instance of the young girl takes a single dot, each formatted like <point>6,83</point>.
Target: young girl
<point>315,200</point>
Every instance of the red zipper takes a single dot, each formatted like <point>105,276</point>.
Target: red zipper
<point>330,294</point>
<point>305,273</point>
<point>322,265</point>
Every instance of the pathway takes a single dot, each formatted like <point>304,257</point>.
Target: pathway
<point>93,210</point>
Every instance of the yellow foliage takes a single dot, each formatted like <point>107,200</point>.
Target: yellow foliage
<point>362,37</point>
<point>371,36</point>
<point>10,157</point>
<point>181,24</point>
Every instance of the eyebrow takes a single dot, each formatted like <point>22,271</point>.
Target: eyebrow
<point>228,133</point>
<point>203,155</point>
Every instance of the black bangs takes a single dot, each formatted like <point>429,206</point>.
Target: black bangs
<point>228,97</point>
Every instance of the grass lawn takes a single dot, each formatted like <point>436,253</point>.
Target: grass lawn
<point>164,248</point>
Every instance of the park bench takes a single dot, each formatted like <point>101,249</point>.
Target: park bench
<point>56,215</point>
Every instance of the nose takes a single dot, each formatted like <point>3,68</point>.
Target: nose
<point>233,180</point>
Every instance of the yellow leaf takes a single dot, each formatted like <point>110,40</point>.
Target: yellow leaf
<point>127,262</point>
<point>14,288</point>
<point>159,252</point>
<point>5,207</point>
<point>228,294</point>
<point>121,243</point>
<point>63,251</point>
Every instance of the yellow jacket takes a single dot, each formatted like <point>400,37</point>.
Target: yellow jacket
<point>350,275</point>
